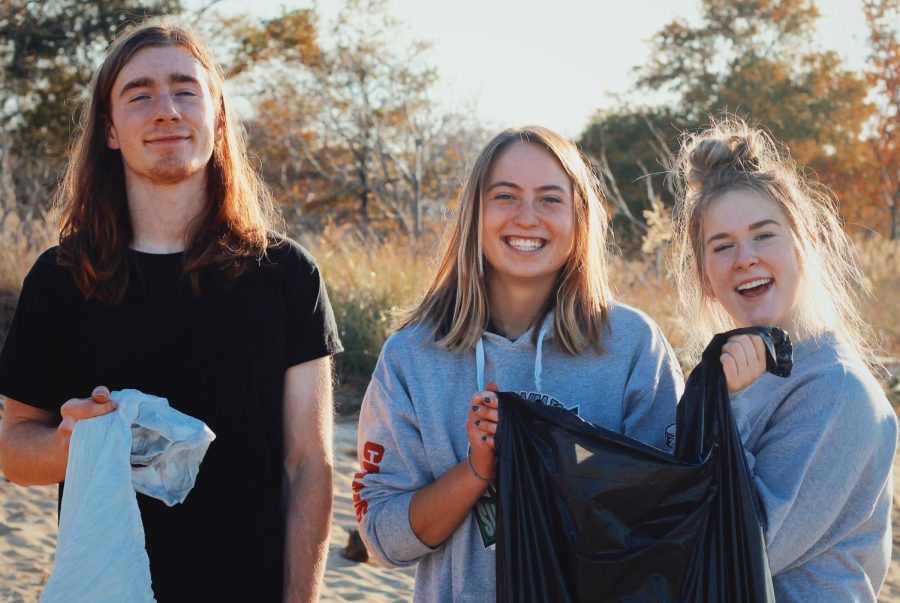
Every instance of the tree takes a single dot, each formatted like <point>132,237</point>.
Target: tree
<point>245,44</point>
<point>631,149</point>
<point>358,134</point>
<point>48,51</point>
<point>755,59</point>
<point>882,18</point>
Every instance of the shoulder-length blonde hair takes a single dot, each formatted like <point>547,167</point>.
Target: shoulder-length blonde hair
<point>732,155</point>
<point>95,228</point>
<point>456,303</point>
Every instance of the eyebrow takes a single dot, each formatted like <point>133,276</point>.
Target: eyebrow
<point>147,82</point>
<point>508,184</point>
<point>754,226</point>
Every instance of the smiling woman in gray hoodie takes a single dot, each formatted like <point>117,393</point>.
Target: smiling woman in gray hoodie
<point>521,301</point>
<point>759,245</point>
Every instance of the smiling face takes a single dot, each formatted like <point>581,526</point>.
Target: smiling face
<point>163,119</point>
<point>527,217</point>
<point>749,259</point>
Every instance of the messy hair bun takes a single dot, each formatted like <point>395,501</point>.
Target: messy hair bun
<point>730,156</point>
<point>723,162</point>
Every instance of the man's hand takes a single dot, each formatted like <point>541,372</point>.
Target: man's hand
<point>77,409</point>
<point>33,447</point>
<point>744,360</point>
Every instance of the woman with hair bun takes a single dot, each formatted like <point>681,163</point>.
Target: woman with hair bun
<point>757,244</point>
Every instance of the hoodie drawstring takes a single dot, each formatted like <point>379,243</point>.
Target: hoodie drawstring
<point>538,359</point>
<point>479,364</point>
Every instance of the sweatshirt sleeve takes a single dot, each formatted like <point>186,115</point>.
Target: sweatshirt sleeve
<point>821,467</point>
<point>654,386</point>
<point>392,465</point>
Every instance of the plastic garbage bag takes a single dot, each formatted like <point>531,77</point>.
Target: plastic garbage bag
<point>144,445</point>
<point>587,514</point>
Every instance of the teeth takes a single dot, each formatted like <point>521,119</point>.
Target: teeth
<point>756,283</point>
<point>525,244</point>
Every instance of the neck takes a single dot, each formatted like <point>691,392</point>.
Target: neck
<point>515,305</point>
<point>161,214</point>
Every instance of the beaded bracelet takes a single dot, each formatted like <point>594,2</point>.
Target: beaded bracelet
<point>472,467</point>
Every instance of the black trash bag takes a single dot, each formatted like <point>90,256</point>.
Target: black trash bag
<point>587,514</point>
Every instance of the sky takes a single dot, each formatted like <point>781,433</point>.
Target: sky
<point>552,62</point>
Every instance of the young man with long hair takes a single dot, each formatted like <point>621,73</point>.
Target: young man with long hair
<point>171,277</point>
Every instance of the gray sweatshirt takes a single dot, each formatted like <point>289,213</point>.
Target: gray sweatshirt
<point>412,429</point>
<point>820,446</point>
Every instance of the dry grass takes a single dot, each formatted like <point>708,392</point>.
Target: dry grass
<point>370,277</point>
<point>22,239</point>
<point>880,259</point>
<point>25,228</point>
<point>367,277</point>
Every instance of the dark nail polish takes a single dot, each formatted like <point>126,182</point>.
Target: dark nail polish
<point>475,408</point>
<point>484,438</point>
<point>478,421</point>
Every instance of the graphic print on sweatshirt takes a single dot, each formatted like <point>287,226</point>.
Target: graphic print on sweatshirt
<point>485,510</point>
<point>547,400</point>
<point>373,454</point>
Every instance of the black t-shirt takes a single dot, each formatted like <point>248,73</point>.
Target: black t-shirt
<point>221,357</point>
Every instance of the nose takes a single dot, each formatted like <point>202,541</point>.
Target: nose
<point>527,213</point>
<point>746,256</point>
<point>166,109</point>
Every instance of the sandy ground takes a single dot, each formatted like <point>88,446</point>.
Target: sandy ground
<point>347,580</point>
<point>28,541</point>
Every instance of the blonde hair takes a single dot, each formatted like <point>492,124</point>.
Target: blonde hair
<point>456,303</point>
<point>732,156</point>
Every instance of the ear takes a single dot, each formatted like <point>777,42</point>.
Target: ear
<point>112,139</point>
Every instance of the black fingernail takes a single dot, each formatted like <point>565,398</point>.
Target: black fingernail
<point>484,438</point>
<point>475,408</point>
<point>478,421</point>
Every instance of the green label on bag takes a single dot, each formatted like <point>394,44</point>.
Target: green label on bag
<point>485,512</point>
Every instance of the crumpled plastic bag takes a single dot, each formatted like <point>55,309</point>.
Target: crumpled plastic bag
<point>587,514</point>
<point>144,445</point>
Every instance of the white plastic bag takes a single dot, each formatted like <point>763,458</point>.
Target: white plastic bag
<point>144,445</point>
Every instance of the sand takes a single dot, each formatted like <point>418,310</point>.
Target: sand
<point>347,580</point>
<point>28,541</point>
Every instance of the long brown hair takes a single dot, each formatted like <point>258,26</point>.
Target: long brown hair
<point>456,303</point>
<point>95,228</point>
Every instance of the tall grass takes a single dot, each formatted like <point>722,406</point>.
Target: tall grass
<point>880,259</point>
<point>368,277</point>
<point>25,228</point>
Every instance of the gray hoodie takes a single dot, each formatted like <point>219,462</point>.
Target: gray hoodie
<point>412,429</point>
<point>820,446</point>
